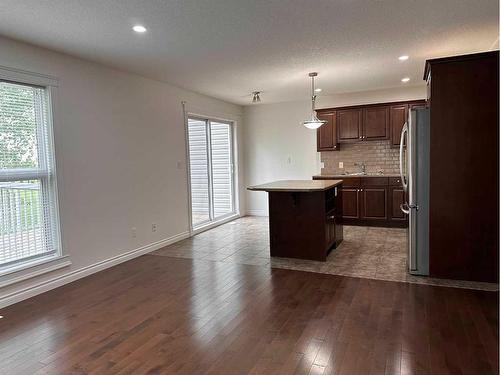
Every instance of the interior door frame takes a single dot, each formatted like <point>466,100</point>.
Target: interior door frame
<point>234,171</point>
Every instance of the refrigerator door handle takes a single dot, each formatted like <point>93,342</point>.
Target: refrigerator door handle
<point>405,207</point>
<point>404,132</point>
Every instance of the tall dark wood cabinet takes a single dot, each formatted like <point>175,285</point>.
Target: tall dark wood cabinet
<point>463,101</point>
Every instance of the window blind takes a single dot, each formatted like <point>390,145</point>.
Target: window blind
<point>220,141</point>
<point>211,169</point>
<point>27,189</point>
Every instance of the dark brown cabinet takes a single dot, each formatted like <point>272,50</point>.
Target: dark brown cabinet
<point>349,125</point>
<point>375,123</point>
<point>398,115</point>
<point>350,203</point>
<point>327,134</point>
<point>397,195</point>
<point>464,147</point>
<point>372,201</point>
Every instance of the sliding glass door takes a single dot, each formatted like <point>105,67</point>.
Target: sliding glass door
<point>211,170</point>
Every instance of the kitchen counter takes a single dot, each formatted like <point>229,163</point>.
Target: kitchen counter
<point>304,217</point>
<point>340,176</point>
<point>297,185</point>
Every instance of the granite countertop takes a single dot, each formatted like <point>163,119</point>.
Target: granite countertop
<point>297,185</point>
<point>336,176</point>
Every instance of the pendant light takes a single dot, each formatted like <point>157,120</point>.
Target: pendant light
<point>314,122</point>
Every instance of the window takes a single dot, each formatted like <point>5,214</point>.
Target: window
<point>211,169</point>
<point>28,215</point>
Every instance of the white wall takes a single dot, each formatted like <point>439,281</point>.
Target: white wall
<point>118,139</point>
<point>277,147</point>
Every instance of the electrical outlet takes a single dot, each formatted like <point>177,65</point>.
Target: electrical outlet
<point>153,227</point>
<point>133,230</point>
<point>341,164</point>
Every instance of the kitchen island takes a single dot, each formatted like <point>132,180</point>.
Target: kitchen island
<point>304,217</point>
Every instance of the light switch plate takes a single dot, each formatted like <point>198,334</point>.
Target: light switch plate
<point>341,164</point>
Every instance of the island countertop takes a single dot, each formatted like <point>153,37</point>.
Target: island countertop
<point>297,185</point>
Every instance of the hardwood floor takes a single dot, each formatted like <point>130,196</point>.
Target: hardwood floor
<point>162,315</point>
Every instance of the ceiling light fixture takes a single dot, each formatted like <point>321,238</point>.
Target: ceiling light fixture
<point>403,58</point>
<point>405,79</point>
<point>314,122</point>
<point>256,97</point>
<point>139,29</point>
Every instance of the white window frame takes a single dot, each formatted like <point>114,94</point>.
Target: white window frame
<point>24,269</point>
<point>235,168</point>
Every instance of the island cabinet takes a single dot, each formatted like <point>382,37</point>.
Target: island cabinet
<point>305,218</point>
<point>372,201</point>
<point>372,122</point>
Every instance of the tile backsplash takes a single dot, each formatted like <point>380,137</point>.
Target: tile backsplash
<point>377,155</point>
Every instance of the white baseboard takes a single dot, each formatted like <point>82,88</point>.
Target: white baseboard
<point>257,212</point>
<point>69,277</point>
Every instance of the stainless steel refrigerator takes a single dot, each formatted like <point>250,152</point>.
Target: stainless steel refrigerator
<point>414,169</point>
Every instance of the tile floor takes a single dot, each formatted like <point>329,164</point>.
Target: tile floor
<point>367,252</point>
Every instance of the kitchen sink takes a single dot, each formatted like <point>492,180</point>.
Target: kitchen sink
<point>355,174</point>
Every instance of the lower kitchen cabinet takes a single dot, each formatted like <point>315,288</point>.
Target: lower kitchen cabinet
<point>350,203</point>
<point>372,201</point>
<point>397,195</point>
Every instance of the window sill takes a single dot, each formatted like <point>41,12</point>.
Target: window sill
<point>30,269</point>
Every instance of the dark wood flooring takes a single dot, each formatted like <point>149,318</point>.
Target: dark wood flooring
<point>161,315</point>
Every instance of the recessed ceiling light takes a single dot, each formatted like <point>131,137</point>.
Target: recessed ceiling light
<point>405,79</point>
<point>403,58</point>
<point>318,90</point>
<point>139,29</point>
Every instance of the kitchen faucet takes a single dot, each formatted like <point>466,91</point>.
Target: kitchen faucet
<point>362,166</point>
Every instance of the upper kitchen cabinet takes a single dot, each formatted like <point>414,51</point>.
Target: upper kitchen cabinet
<point>327,134</point>
<point>371,122</point>
<point>375,123</point>
<point>349,125</point>
<point>398,115</point>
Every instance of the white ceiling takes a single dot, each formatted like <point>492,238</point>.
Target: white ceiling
<point>228,48</point>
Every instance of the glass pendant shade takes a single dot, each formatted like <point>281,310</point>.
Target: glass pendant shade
<point>313,123</point>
